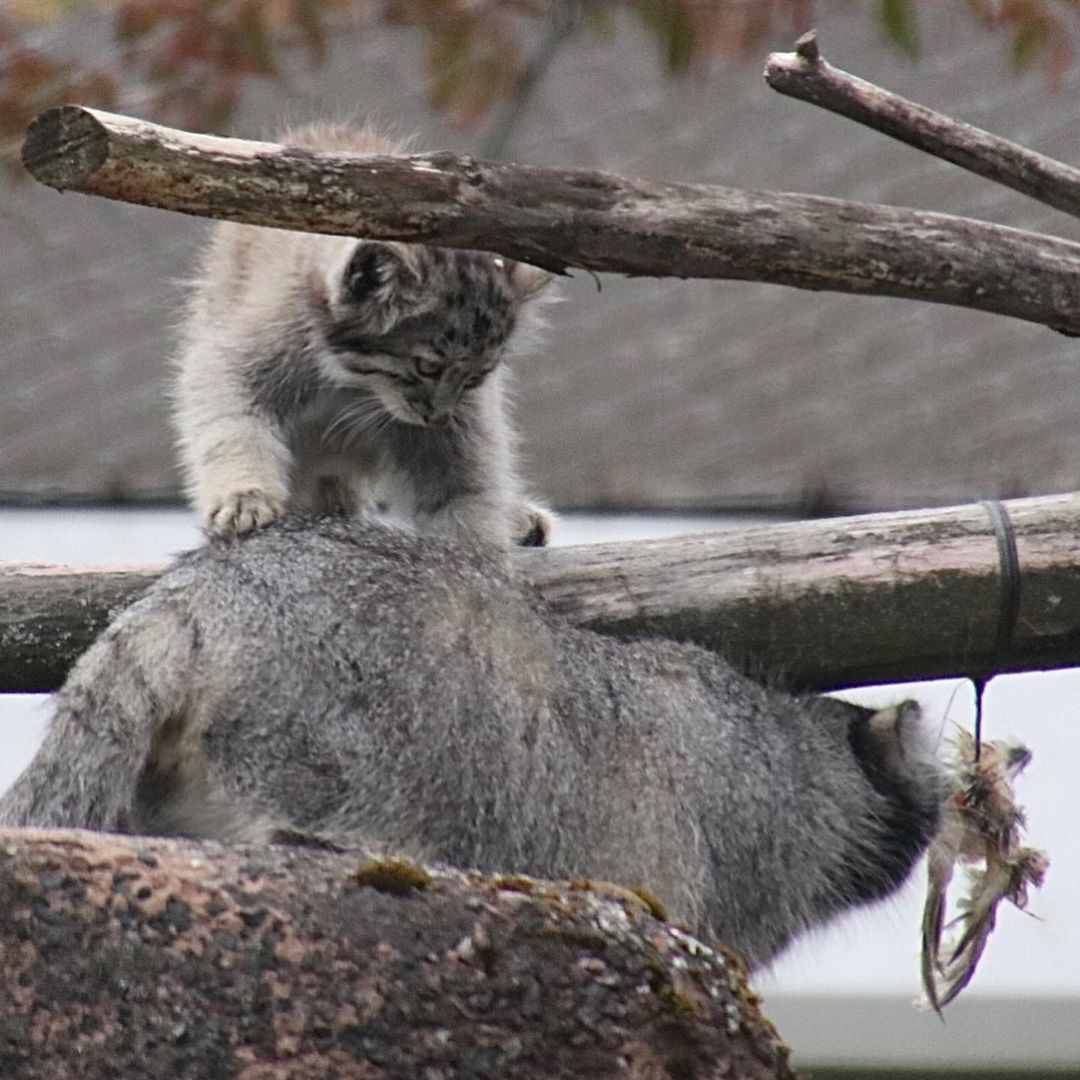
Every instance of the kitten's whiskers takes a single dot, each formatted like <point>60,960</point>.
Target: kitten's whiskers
<point>368,423</point>
<point>352,419</point>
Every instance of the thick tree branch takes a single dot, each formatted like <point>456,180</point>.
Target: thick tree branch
<point>842,602</point>
<point>560,218</point>
<point>133,957</point>
<point>805,75</point>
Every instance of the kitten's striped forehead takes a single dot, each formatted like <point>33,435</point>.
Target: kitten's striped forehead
<point>472,273</point>
<point>472,296</point>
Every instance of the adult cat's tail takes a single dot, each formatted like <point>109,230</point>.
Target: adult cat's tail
<point>121,697</point>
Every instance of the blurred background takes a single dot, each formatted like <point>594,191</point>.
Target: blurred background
<point>656,406</point>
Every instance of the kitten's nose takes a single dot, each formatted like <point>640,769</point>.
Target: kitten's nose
<point>430,415</point>
<point>444,400</point>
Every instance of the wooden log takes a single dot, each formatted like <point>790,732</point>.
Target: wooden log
<point>874,598</point>
<point>125,956</point>
<point>49,615</point>
<point>804,74</point>
<point>819,604</point>
<point>559,218</point>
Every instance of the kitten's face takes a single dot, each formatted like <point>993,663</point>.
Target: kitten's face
<point>421,328</point>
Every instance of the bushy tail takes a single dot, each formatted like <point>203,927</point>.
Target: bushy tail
<point>898,755</point>
<point>117,699</point>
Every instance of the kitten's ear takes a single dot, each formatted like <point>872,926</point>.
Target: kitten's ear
<point>373,272</point>
<point>526,280</point>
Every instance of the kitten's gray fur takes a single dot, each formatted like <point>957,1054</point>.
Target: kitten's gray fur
<point>357,378</point>
<point>372,688</point>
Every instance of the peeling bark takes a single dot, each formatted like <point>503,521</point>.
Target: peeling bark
<point>558,218</point>
<point>124,956</point>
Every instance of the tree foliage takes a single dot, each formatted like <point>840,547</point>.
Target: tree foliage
<point>187,62</point>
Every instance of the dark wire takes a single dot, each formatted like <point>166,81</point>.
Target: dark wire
<point>1009,610</point>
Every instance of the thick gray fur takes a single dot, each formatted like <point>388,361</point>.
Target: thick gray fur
<point>353,683</point>
<point>335,375</point>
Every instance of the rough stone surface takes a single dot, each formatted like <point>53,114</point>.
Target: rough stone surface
<point>122,957</point>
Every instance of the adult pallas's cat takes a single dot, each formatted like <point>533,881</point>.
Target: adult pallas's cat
<point>354,377</point>
<point>368,687</point>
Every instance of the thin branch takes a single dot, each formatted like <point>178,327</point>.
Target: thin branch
<point>805,75</point>
<point>868,599</point>
<point>558,218</point>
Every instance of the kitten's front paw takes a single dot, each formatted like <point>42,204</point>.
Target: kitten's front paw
<point>242,511</point>
<point>534,526</point>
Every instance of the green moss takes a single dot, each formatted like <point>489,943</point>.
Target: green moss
<point>628,895</point>
<point>678,1006</point>
<point>514,883</point>
<point>579,934</point>
<point>397,876</point>
<point>651,901</point>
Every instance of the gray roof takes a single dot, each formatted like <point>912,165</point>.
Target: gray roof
<point>648,393</point>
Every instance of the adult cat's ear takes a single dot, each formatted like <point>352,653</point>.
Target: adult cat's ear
<point>526,280</point>
<point>374,272</point>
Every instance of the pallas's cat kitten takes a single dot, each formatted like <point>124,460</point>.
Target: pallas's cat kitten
<point>354,377</point>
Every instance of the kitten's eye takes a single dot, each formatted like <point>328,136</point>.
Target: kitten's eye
<point>406,380</point>
<point>429,369</point>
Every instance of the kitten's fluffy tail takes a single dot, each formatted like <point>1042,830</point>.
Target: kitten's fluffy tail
<point>118,700</point>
